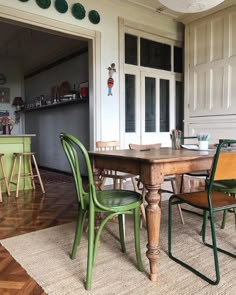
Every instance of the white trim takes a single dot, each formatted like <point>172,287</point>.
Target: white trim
<point>12,15</point>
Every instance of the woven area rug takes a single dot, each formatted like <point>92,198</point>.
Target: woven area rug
<point>45,256</point>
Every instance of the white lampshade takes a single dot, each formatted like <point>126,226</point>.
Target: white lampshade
<point>190,6</point>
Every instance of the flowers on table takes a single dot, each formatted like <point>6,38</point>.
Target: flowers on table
<point>7,120</point>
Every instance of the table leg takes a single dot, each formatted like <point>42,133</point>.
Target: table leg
<point>153,215</point>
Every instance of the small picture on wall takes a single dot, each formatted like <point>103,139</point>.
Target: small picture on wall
<point>4,95</point>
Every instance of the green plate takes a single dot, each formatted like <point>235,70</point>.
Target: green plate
<point>23,0</point>
<point>78,11</point>
<point>94,17</point>
<point>43,3</point>
<point>61,6</point>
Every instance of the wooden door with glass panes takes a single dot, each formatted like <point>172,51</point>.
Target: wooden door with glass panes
<point>153,91</point>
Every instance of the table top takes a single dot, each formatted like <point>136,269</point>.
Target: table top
<point>155,155</point>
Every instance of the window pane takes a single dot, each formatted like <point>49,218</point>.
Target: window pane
<point>150,104</point>
<point>178,60</point>
<point>131,49</point>
<point>164,105</point>
<point>129,103</point>
<point>155,55</point>
<point>179,105</point>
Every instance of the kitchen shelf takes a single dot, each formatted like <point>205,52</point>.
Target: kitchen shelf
<point>57,104</point>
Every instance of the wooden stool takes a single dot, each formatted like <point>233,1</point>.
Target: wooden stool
<point>19,157</point>
<point>3,178</point>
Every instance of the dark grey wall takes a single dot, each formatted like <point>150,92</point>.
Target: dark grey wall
<point>48,123</point>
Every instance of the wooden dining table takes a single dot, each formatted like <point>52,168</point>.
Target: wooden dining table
<point>152,166</point>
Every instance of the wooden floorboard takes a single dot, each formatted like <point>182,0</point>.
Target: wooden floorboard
<point>32,211</point>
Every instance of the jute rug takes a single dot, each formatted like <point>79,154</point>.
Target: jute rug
<point>45,256</point>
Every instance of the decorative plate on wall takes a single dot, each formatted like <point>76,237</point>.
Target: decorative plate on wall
<point>43,3</point>
<point>94,17</point>
<point>78,11</point>
<point>61,6</point>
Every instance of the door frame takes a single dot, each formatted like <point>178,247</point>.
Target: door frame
<point>24,18</point>
<point>153,34</point>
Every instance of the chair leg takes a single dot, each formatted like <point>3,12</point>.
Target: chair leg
<point>31,172</point>
<point>224,219</point>
<point>201,275</point>
<point>143,213</point>
<point>0,192</point>
<point>12,171</point>
<point>134,184</point>
<point>121,232</point>
<point>181,184</point>
<point>18,176</point>
<point>175,191</point>
<point>38,174</point>
<point>90,257</point>
<point>214,246</point>
<point>78,231</point>
<point>137,238</point>
<point>5,177</point>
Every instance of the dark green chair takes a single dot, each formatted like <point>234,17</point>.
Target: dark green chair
<point>90,202</point>
<point>210,201</point>
<point>227,186</point>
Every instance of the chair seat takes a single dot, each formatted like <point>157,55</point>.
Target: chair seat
<point>117,199</point>
<point>220,200</point>
<point>227,185</point>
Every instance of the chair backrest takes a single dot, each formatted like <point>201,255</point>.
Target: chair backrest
<point>72,147</point>
<point>224,164</point>
<point>144,147</point>
<point>107,145</point>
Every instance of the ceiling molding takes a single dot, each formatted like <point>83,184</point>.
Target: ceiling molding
<point>187,18</point>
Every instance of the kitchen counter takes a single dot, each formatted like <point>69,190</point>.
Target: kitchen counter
<point>16,135</point>
<point>10,144</point>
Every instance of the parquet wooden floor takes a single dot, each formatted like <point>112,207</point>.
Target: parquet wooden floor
<point>32,211</point>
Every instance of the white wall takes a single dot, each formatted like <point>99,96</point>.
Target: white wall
<point>109,11</point>
<point>12,69</point>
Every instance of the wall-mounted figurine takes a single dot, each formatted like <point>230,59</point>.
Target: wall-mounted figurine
<point>110,81</point>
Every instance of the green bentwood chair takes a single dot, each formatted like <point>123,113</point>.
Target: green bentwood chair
<point>210,201</point>
<point>112,202</point>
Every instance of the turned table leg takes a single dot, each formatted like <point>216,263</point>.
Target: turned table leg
<point>153,215</point>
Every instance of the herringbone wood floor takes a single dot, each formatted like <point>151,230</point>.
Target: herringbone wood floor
<point>30,212</point>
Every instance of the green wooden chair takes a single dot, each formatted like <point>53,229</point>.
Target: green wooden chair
<point>210,201</point>
<point>111,202</point>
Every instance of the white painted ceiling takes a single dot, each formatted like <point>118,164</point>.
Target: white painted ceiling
<point>35,49</point>
<point>155,5</point>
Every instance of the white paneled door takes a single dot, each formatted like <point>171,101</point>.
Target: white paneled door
<point>149,107</point>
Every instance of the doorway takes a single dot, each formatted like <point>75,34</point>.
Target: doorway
<point>51,26</point>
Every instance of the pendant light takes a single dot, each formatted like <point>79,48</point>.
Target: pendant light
<point>190,6</point>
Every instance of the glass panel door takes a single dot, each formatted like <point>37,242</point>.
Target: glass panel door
<point>157,103</point>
